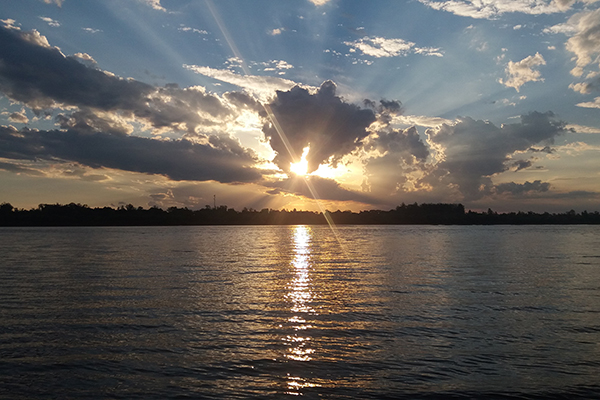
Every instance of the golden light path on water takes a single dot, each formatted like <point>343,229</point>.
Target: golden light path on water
<point>300,294</point>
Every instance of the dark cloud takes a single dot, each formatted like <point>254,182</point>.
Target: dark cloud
<point>521,164</point>
<point>18,117</point>
<point>522,188</point>
<point>400,152</point>
<point>472,151</point>
<point>89,121</point>
<point>40,76</point>
<point>221,159</point>
<point>19,169</point>
<point>325,189</point>
<point>545,149</point>
<point>405,143</point>
<point>332,127</point>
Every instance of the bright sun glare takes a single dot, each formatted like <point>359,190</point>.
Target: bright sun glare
<point>301,167</point>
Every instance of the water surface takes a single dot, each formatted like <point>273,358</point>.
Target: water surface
<point>272,312</point>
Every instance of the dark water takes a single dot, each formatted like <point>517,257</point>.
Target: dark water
<point>271,312</point>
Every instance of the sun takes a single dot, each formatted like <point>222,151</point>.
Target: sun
<point>301,167</point>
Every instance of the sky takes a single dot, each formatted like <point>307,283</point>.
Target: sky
<point>309,105</point>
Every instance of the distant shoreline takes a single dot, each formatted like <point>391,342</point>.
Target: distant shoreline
<point>412,214</point>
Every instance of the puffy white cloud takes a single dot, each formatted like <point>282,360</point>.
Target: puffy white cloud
<point>585,43</point>
<point>51,22</point>
<point>591,104</point>
<point>155,4</point>
<point>382,47</point>
<point>319,2</point>
<point>490,9</point>
<point>522,71</point>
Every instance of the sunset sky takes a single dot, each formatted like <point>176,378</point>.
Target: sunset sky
<point>271,104</point>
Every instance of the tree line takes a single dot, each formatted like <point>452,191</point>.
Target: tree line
<point>447,214</point>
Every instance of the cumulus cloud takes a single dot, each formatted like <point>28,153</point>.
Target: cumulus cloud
<point>395,154</point>
<point>325,122</point>
<point>585,43</point>
<point>471,151</point>
<point>221,159</point>
<point>491,9</point>
<point>18,117</point>
<point>382,47</point>
<point>155,4</point>
<point>590,104</point>
<point>53,23</point>
<point>523,71</point>
<point>41,77</point>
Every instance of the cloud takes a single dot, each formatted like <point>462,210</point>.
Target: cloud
<point>221,159</point>
<point>382,47</point>
<point>585,43</point>
<point>394,155</point>
<point>470,151</point>
<point>590,86</point>
<point>491,9</point>
<point>92,30</point>
<point>420,120</point>
<point>155,4</point>
<point>327,189</point>
<point>521,72</point>
<point>584,129</point>
<point>262,87</point>
<point>41,77</point>
<point>51,22</point>
<point>276,31</point>
<point>18,117</point>
<point>57,2</point>
<point>330,126</point>
<point>184,28</point>
<point>319,2</point>
<point>590,104</point>
<point>519,189</point>
<point>521,164</point>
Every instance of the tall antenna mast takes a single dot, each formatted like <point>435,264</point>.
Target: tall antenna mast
<point>215,200</point>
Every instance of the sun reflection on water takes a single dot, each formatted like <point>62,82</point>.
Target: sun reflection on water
<point>300,293</point>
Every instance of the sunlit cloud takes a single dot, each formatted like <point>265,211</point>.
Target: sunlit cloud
<point>383,47</point>
<point>319,2</point>
<point>590,104</point>
<point>91,30</point>
<point>419,120</point>
<point>584,129</point>
<point>18,117</point>
<point>155,4</point>
<point>523,71</point>
<point>585,43</point>
<point>490,9</point>
<point>184,28</point>
<point>57,2</point>
<point>53,23</point>
<point>264,87</point>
